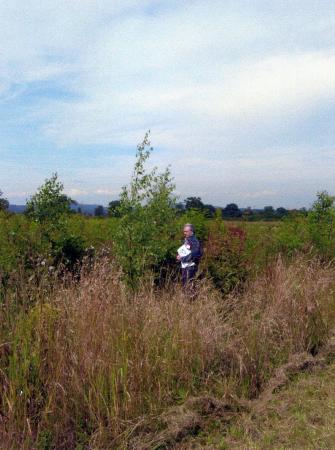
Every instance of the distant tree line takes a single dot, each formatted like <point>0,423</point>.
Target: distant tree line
<point>230,212</point>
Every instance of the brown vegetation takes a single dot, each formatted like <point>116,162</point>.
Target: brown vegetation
<point>90,365</point>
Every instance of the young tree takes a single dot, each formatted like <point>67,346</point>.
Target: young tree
<point>50,207</point>
<point>147,213</point>
<point>4,203</point>
<point>49,204</point>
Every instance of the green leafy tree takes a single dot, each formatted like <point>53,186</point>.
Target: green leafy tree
<point>321,220</point>
<point>4,203</point>
<point>281,212</point>
<point>113,208</point>
<point>209,211</point>
<point>248,213</point>
<point>143,237</point>
<point>193,203</point>
<point>268,212</point>
<point>50,207</point>
<point>231,211</point>
<point>49,204</point>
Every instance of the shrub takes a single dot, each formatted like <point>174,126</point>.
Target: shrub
<point>68,250</point>
<point>226,258</point>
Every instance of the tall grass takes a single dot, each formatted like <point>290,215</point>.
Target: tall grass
<point>85,364</point>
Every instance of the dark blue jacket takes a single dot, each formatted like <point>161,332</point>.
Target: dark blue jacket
<point>195,248</point>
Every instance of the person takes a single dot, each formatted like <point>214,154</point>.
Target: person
<point>189,262</point>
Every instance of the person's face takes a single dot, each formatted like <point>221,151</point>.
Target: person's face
<point>187,232</point>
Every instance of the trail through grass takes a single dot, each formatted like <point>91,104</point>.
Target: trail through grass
<point>301,416</point>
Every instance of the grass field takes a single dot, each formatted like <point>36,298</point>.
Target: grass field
<point>91,361</point>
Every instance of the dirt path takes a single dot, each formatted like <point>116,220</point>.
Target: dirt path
<point>298,416</point>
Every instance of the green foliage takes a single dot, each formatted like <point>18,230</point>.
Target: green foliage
<point>113,208</point>
<point>4,204</point>
<point>231,211</point>
<point>147,217</point>
<point>20,242</point>
<point>69,250</point>
<point>321,222</point>
<point>291,235</point>
<point>268,212</point>
<point>49,204</point>
<point>193,203</point>
<point>198,219</point>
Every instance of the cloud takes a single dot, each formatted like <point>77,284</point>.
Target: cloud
<point>258,194</point>
<point>227,91</point>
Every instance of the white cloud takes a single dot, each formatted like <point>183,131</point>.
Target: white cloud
<point>208,79</point>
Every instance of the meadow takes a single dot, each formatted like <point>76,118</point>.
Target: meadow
<point>89,361</point>
<point>100,346</point>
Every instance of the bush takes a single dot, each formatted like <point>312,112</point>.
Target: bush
<point>226,258</point>
<point>68,250</point>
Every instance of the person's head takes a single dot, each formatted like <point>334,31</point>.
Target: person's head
<point>188,230</point>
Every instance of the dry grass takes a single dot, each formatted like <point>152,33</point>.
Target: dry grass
<point>289,309</point>
<point>91,366</point>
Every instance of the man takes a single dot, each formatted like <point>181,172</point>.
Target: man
<point>192,251</point>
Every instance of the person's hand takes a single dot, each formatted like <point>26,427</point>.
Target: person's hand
<point>178,257</point>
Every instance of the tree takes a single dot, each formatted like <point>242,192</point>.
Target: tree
<point>281,212</point>
<point>113,208</point>
<point>4,203</point>
<point>323,207</point>
<point>321,221</point>
<point>180,207</point>
<point>231,211</point>
<point>49,203</point>
<point>209,211</point>
<point>193,203</point>
<point>99,211</point>
<point>248,213</point>
<point>143,236</point>
<point>268,212</point>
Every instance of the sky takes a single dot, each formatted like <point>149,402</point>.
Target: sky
<point>239,96</point>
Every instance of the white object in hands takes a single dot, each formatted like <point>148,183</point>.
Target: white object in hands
<point>183,251</point>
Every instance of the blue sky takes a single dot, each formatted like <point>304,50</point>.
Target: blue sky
<point>238,95</point>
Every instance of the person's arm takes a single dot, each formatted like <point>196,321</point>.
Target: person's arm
<point>195,251</point>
